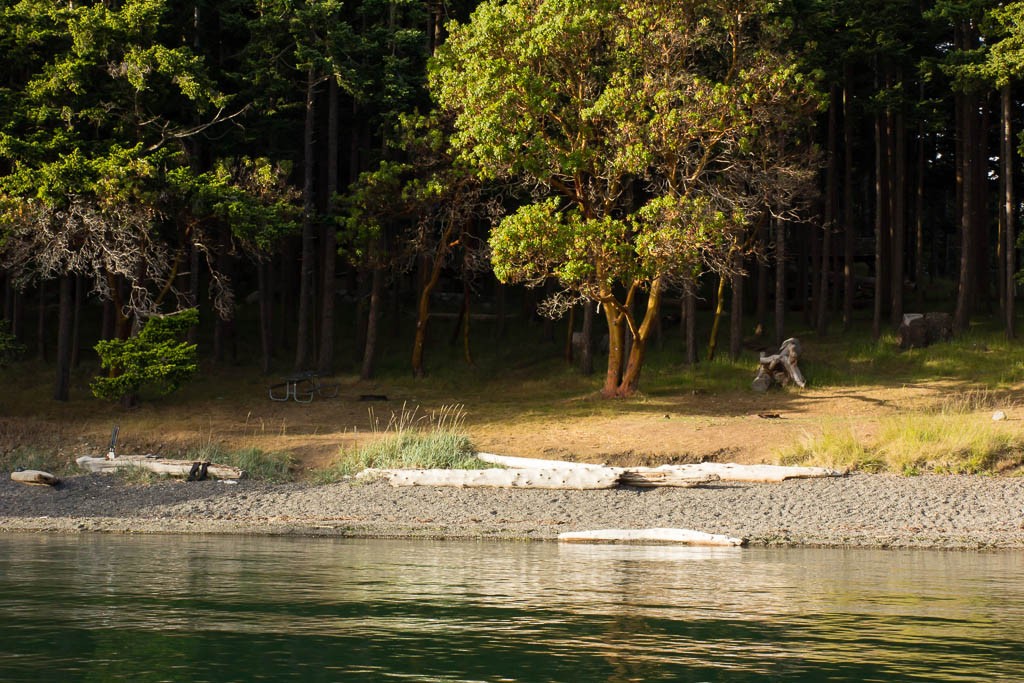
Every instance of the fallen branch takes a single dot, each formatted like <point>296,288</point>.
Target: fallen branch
<point>686,536</point>
<point>173,468</point>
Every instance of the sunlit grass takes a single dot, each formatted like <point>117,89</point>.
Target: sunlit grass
<point>957,437</point>
<point>410,439</point>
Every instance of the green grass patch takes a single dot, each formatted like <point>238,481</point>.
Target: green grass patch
<point>410,439</point>
<point>37,458</point>
<point>958,437</point>
<point>261,465</point>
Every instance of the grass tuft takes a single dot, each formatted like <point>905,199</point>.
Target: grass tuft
<point>956,438</point>
<point>410,440</point>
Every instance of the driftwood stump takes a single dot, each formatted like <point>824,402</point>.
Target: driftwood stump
<point>918,330</point>
<point>780,368</point>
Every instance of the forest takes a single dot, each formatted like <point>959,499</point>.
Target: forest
<point>310,174</point>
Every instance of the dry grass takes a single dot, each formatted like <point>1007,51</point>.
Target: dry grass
<point>957,436</point>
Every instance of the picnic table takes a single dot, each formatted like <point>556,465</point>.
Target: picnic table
<point>302,387</point>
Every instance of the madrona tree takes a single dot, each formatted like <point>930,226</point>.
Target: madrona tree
<point>646,135</point>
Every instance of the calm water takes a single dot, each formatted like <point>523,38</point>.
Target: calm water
<point>113,608</point>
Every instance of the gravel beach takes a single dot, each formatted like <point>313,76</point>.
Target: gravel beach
<point>859,510</point>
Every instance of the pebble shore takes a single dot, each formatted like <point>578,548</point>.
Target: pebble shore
<point>858,510</point>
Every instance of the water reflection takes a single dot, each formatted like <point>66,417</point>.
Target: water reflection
<point>237,608</point>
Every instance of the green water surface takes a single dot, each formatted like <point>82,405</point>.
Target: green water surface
<point>226,608</point>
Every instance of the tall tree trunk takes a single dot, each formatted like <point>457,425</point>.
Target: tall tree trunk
<point>719,310</point>
<point>831,171</point>
<point>849,281</point>
<point>980,218</point>
<point>965,287</point>
<point>423,307</point>
<point>761,303</point>
<point>780,281</point>
<point>616,323</point>
<point>899,211</point>
<point>690,321</point>
<point>62,387</point>
<point>41,322</point>
<point>303,337</point>
<point>919,216</point>
<point>372,324</point>
<point>225,342</point>
<point>638,349</point>
<point>1009,233</point>
<point>881,223</point>
<point>76,322</point>
<point>587,347</point>
<point>500,313</point>
<point>736,308</point>
<point>265,280</point>
<point>325,362</point>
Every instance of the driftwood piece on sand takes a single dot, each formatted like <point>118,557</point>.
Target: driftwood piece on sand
<point>544,478</point>
<point>173,468</point>
<point>34,477</point>
<point>724,471</point>
<point>686,536</point>
<point>780,368</point>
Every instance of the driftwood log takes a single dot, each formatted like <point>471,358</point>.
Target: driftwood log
<point>686,536</point>
<point>34,477</point>
<point>780,368</point>
<point>712,470</point>
<point>173,468</point>
<point>543,478</point>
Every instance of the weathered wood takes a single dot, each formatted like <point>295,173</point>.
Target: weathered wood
<point>780,368</point>
<point>173,468</point>
<point>724,471</point>
<point>658,535</point>
<point>597,478</point>
<point>534,463</point>
<point>754,473</point>
<point>34,478</point>
<point>666,475</point>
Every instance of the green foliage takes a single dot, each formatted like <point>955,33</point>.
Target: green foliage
<point>155,358</point>
<point>10,348</point>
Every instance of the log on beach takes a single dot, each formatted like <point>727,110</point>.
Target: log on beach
<point>659,535</point>
<point>595,478</point>
<point>173,468</point>
<point>35,478</point>
<point>682,473</point>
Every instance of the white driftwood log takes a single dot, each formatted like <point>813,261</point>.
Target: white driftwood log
<point>724,471</point>
<point>754,473</point>
<point>597,478</point>
<point>534,463</point>
<point>34,477</point>
<point>687,536</point>
<point>173,468</point>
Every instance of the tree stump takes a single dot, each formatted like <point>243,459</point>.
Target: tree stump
<point>780,368</point>
<point>918,330</point>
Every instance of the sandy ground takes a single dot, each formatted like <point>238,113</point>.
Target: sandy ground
<point>860,510</point>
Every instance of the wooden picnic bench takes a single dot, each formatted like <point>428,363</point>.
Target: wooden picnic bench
<point>302,387</point>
